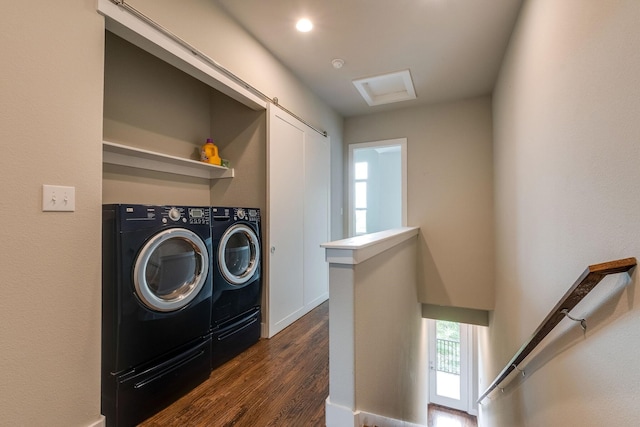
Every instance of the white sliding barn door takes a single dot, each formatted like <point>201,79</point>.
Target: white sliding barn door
<point>297,218</point>
<point>316,218</point>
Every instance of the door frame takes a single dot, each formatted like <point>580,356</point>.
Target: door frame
<point>467,382</point>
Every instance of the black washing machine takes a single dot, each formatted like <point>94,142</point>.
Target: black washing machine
<point>156,307</point>
<point>236,267</point>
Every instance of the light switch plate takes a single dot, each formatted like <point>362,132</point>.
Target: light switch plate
<point>58,198</point>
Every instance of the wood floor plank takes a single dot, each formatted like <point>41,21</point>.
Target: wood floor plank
<point>440,416</point>
<point>282,381</point>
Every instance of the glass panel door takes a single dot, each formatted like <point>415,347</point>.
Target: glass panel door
<point>448,364</point>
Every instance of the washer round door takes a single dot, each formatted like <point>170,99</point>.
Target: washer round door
<point>238,254</point>
<point>171,269</point>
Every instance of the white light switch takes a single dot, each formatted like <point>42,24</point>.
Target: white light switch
<point>58,198</point>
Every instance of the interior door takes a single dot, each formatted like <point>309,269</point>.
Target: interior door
<point>449,364</point>
<point>285,194</point>
<point>297,221</point>
<point>316,218</point>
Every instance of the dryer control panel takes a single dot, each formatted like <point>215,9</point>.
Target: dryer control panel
<point>236,214</point>
<point>246,214</point>
<point>253,214</point>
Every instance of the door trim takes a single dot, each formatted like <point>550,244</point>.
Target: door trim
<point>466,375</point>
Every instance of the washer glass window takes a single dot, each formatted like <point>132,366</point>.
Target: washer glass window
<point>171,269</point>
<point>238,254</point>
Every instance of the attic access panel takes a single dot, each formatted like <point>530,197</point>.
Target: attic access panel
<point>386,88</point>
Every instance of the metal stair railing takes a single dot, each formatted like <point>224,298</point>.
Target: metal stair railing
<point>585,284</point>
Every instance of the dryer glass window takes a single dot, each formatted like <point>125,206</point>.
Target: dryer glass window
<point>238,254</point>
<point>172,269</point>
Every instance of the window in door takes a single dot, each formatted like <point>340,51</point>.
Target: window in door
<point>377,186</point>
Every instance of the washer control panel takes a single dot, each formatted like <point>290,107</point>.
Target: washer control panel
<point>199,215</point>
<point>174,214</point>
<point>185,215</point>
<point>136,215</point>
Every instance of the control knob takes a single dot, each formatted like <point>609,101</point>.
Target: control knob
<point>240,213</point>
<point>174,214</point>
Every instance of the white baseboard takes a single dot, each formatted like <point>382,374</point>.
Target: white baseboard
<point>368,419</point>
<point>270,330</point>
<point>98,423</point>
<point>339,416</point>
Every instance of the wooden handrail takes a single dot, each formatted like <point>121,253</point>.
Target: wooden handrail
<point>585,283</point>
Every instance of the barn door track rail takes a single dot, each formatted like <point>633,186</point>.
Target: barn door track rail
<point>211,62</point>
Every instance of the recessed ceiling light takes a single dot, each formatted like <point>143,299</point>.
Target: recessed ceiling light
<point>304,25</point>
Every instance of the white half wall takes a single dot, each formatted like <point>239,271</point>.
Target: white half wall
<point>377,343</point>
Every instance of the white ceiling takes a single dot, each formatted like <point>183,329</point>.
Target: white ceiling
<point>453,48</point>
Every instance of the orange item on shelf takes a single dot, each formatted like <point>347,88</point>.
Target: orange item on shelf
<point>209,153</point>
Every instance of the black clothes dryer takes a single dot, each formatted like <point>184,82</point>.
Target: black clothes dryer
<point>156,307</point>
<point>236,267</point>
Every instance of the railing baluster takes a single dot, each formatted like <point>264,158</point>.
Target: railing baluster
<point>448,356</point>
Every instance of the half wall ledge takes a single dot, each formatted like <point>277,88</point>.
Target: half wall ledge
<point>355,250</point>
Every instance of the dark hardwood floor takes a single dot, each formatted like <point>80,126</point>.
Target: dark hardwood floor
<point>439,416</point>
<point>283,381</point>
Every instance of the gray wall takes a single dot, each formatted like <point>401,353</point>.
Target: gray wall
<point>150,104</point>
<point>450,194</point>
<point>567,178</point>
<point>52,119</point>
<point>51,132</point>
<point>391,360</point>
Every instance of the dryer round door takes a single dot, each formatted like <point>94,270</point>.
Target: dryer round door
<point>238,254</point>
<point>171,269</point>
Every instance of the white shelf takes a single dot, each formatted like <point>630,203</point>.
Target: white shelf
<point>123,155</point>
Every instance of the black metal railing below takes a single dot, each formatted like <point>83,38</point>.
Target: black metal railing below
<point>448,356</point>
